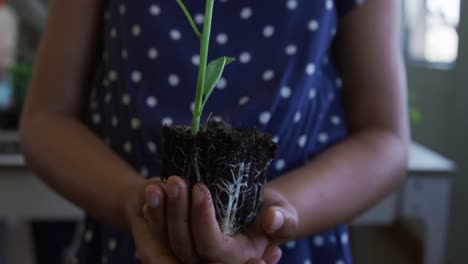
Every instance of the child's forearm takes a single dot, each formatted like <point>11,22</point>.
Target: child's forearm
<point>60,149</point>
<point>69,158</point>
<point>344,180</point>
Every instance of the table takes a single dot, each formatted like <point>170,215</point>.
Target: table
<point>425,195</point>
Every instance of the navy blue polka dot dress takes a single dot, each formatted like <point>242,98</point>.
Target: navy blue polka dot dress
<point>283,82</point>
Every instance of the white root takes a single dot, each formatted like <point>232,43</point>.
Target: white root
<point>228,212</point>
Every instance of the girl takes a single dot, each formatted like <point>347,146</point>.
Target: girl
<point>324,78</point>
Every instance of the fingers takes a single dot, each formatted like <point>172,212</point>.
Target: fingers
<point>255,261</point>
<point>178,220</point>
<point>205,229</point>
<point>154,211</point>
<point>272,255</point>
<point>150,248</point>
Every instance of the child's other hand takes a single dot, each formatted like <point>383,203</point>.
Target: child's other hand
<point>276,221</point>
<point>150,236</point>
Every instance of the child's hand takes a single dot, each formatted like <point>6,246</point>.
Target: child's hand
<point>275,222</point>
<point>199,237</point>
<point>177,217</point>
<point>150,236</point>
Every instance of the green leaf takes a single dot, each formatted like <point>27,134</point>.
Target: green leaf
<point>213,73</point>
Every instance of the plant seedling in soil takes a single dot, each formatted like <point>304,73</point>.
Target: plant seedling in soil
<point>231,162</point>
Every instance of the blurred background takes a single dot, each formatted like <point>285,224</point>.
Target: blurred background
<point>425,221</point>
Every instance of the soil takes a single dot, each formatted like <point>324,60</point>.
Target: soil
<point>231,162</point>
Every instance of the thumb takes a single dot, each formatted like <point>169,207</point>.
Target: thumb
<point>279,222</point>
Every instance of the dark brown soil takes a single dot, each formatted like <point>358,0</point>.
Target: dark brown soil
<point>232,162</point>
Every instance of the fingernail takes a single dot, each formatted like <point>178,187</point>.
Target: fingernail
<point>198,195</point>
<point>173,190</point>
<point>154,201</point>
<point>278,220</point>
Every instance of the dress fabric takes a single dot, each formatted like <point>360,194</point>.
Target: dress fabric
<point>284,82</point>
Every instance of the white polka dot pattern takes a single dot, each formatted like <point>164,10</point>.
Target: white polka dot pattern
<point>291,49</point>
<point>344,238</point>
<point>112,244</point>
<point>151,101</point>
<point>301,142</point>
<point>291,244</point>
<point>124,54</point>
<point>115,121</point>
<point>175,34</point>
<point>222,83</point>
<point>152,53</point>
<point>297,117</point>
<point>135,123</point>
<point>264,118</point>
<point>125,99</point>
<point>136,30</point>
<point>222,38</point>
<point>88,235</point>
<point>280,83</point>
<point>322,137</point>
<point>313,25</point>
<point>279,164</point>
<point>268,31</point>
<point>173,80</point>
<point>275,139</point>
<point>199,18</point>
<point>312,93</point>
<point>285,92</point>
<point>127,147</point>
<point>196,59</point>
<point>136,76</point>
<point>122,9</point>
<point>246,13</point>
<point>318,241</point>
<point>268,75</point>
<point>155,10</point>
<point>310,69</point>
<point>243,100</point>
<point>151,146</point>
<point>335,120</point>
<point>244,57</point>
<point>167,121</point>
<point>291,4</point>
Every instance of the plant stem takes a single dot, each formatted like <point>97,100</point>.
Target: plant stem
<point>189,17</point>
<point>204,44</point>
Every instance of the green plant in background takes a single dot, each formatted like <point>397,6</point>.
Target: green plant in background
<point>208,73</point>
<point>21,76</point>
<point>414,111</point>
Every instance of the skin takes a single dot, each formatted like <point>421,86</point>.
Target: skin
<point>78,165</point>
<point>325,192</point>
<point>342,182</point>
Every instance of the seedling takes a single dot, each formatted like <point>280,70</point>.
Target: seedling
<point>208,73</point>
<point>231,162</point>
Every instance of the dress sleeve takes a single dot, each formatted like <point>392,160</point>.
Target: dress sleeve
<point>344,6</point>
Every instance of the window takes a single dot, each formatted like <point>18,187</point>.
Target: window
<point>431,31</point>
